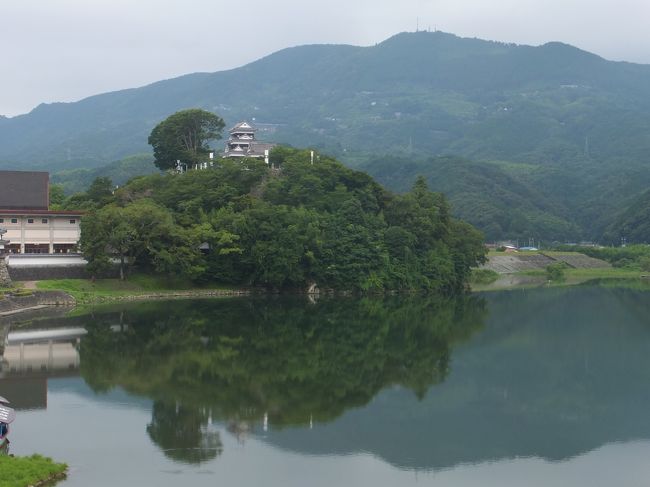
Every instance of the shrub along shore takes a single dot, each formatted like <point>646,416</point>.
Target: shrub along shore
<point>29,471</point>
<point>137,287</point>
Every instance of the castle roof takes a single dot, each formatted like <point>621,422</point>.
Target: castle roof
<point>256,149</point>
<point>243,127</point>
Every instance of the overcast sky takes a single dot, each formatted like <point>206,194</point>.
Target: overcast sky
<point>65,50</point>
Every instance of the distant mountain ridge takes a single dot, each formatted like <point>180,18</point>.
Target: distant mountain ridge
<point>426,84</point>
<point>571,125</point>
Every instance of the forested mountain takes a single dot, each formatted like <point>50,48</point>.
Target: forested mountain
<point>78,180</point>
<point>484,194</point>
<point>632,224</point>
<point>551,122</point>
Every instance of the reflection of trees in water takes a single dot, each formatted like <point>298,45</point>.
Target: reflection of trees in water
<point>288,360</point>
<point>183,433</point>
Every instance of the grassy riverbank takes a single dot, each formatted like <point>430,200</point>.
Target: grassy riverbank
<point>138,286</point>
<point>25,471</point>
<point>572,277</point>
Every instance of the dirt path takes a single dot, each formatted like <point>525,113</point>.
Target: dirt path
<point>29,284</point>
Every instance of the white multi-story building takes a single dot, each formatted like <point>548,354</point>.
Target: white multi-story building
<point>32,228</point>
<point>242,143</point>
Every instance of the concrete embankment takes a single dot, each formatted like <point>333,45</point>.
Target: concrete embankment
<point>10,304</point>
<point>521,262</point>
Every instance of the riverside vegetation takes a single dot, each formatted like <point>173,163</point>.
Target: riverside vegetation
<point>245,223</point>
<point>22,471</point>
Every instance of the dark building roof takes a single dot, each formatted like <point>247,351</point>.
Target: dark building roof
<point>256,149</point>
<point>244,127</point>
<point>25,190</point>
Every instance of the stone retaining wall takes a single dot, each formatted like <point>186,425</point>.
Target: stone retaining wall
<point>38,298</point>
<point>513,263</point>
<point>5,279</point>
<point>49,272</point>
<point>56,272</point>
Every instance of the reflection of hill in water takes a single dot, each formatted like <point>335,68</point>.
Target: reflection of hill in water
<point>555,374</point>
<point>287,361</point>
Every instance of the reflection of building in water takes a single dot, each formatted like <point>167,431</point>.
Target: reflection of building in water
<point>31,357</point>
<point>240,429</point>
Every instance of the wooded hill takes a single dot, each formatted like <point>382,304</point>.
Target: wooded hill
<point>245,223</point>
<point>564,125</point>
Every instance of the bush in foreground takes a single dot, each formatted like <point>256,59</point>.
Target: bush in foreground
<point>24,471</point>
<point>483,276</point>
<point>555,272</point>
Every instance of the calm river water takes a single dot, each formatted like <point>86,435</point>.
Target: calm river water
<point>530,387</point>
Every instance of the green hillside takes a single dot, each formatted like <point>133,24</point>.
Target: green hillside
<point>486,195</point>
<point>78,180</point>
<point>430,92</point>
<point>631,224</point>
<point>569,131</point>
<point>295,225</point>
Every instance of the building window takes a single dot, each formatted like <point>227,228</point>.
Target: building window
<point>14,220</point>
<point>2,220</point>
<point>72,222</point>
<point>30,220</point>
<point>44,220</point>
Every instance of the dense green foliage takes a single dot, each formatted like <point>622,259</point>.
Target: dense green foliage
<point>555,272</point>
<point>289,227</point>
<point>483,276</point>
<point>98,194</point>
<point>632,223</point>
<point>183,137</point>
<point>57,196</point>
<point>293,360</point>
<point>24,471</point>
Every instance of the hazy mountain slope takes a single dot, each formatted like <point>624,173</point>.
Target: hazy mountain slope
<point>435,92</point>
<point>77,180</point>
<point>564,124</point>
<point>482,194</point>
<point>633,223</point>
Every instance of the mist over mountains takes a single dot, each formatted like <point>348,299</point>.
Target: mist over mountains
<point>549,142</point>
